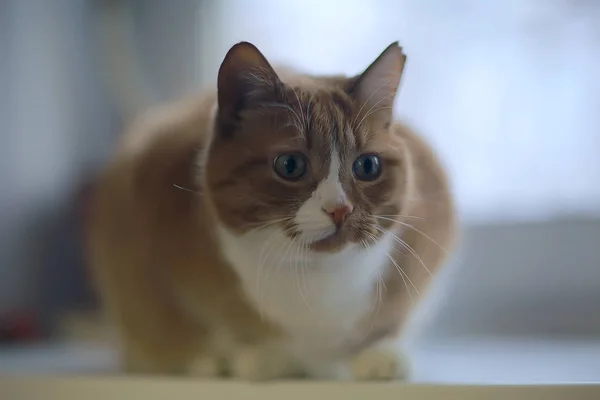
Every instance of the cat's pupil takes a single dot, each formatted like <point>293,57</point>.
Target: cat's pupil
<point>368,166</point>
<point>290,165</point>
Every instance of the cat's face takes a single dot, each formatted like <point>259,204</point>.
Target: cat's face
<point>319,163</point>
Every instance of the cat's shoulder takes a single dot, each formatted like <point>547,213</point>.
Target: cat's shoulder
<point>183,120</point>
<point>159,152</point>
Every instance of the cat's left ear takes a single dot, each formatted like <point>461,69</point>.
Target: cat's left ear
<point>375,89</point>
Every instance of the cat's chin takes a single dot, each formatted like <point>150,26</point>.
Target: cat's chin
<point>333,243</point>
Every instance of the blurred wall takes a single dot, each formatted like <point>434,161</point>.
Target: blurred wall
<point>526,278</point>
<point>59,121</point>
<point>54,129</point>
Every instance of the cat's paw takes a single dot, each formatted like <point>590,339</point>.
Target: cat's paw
<point>257,363</point>
<point>329,371</point>
<point>383,362</point>
<point>205,367</point>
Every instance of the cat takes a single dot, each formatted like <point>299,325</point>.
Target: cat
<point>272,228</point>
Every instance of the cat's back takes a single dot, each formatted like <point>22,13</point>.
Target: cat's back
<point>188,119</point>
<point>149,193</point>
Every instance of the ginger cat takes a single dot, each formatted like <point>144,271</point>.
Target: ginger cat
<point>272,228</point>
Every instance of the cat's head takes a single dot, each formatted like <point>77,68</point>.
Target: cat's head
<point>319,160</point>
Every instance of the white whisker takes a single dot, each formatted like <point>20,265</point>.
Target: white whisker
<point>402,216</point>
<point>402,274</point>
<point>305,266</point>
<point>379,288</point>
<point>186,189</point>
<point>268,223</point>
<point>296,276</point>
<point>385,82</point>
<point>416,230</point>
<point>262,262</point>
<point>301,110</point>
<point>298,121</point>
<point>308,112</point>
<point>373,110</point>
<point>407,247</point>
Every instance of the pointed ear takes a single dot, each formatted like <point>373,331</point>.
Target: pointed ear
<point>375,89</point>
<point>244,76</point>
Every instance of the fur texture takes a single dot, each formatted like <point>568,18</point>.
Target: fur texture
<point>276,227</point>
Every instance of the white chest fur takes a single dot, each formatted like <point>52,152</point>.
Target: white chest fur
<point>318,299</point>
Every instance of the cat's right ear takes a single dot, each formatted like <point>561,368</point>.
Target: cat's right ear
<point>245,76</point>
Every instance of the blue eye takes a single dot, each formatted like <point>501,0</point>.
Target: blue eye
<point>290,166</point>
<point>367,167</point>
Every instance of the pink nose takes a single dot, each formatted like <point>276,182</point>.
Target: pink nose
<point>338,213</point>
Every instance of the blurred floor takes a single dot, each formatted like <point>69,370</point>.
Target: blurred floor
<point>489,361</point>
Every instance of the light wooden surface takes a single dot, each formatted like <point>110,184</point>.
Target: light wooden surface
<point>105,388</point>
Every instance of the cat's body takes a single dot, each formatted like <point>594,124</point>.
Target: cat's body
<point>209,262</point>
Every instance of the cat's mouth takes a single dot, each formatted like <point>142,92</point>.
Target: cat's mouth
<point>328,240</point>
<point>330,243</point>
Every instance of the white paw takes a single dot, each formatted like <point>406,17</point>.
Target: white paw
<point>205,367</point>
<point>260,363</point>
<point>380,363</point>
<point>328,371</point>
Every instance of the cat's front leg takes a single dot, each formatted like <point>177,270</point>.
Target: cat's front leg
<point>262,362</point>
<point>383,361</point>
<point>206,367</point>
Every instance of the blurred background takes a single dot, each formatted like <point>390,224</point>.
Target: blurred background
<point>507,92</point>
